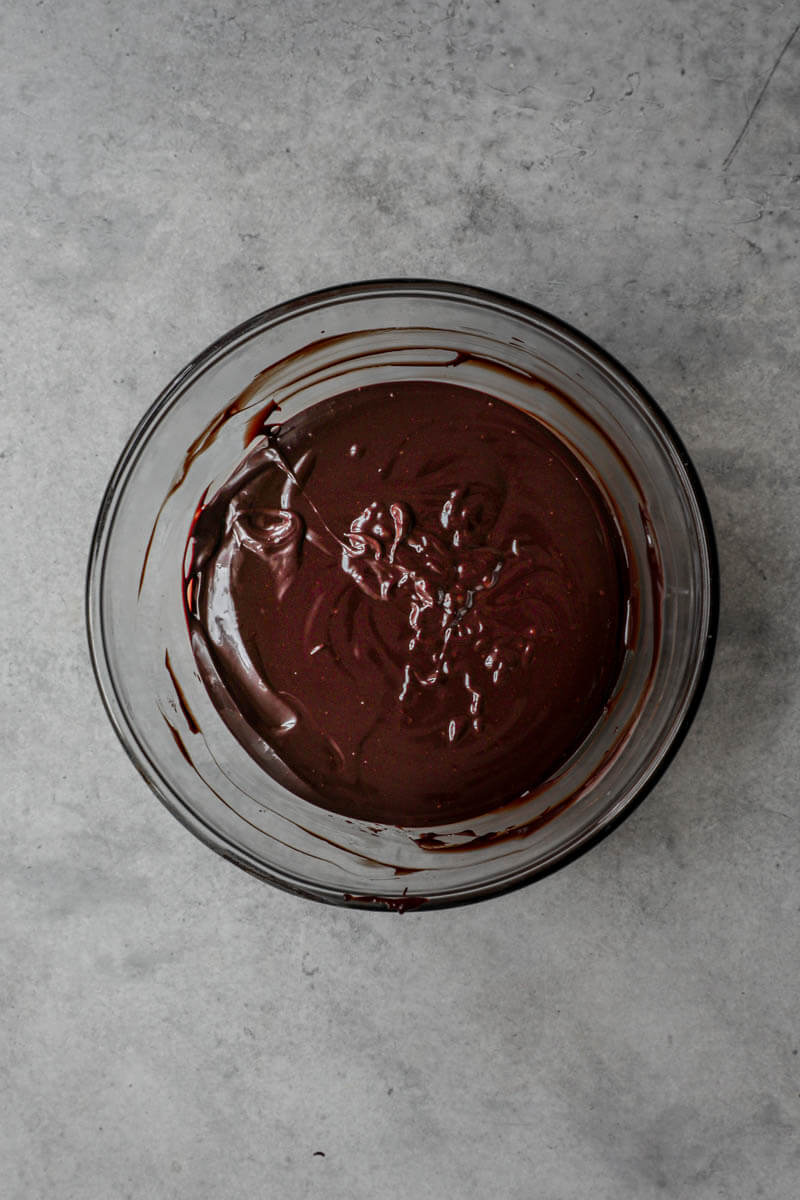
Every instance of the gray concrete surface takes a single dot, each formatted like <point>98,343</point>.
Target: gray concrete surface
<point>625,1030</point>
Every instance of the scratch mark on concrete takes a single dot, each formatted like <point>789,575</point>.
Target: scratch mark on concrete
<point>735,147</point>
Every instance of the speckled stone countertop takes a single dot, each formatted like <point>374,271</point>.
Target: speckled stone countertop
<point>626,1029</point>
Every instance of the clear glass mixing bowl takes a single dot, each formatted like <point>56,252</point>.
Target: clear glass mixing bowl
<point>190,441</point>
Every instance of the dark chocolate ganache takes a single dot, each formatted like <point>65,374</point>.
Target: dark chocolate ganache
<point>408,602</point>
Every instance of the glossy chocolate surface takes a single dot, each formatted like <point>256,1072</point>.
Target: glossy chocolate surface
<point>408,602</point>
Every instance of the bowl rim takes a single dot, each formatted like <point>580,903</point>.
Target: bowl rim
<point>175,803</point>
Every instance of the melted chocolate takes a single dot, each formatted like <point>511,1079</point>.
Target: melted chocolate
<point>408,602</point>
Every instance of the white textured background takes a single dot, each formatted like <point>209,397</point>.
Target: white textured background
<point>171,1028</point>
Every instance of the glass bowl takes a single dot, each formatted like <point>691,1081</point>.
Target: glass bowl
<point>189,443</point>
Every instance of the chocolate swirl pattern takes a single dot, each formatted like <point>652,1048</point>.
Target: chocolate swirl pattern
<point>408,602</point>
